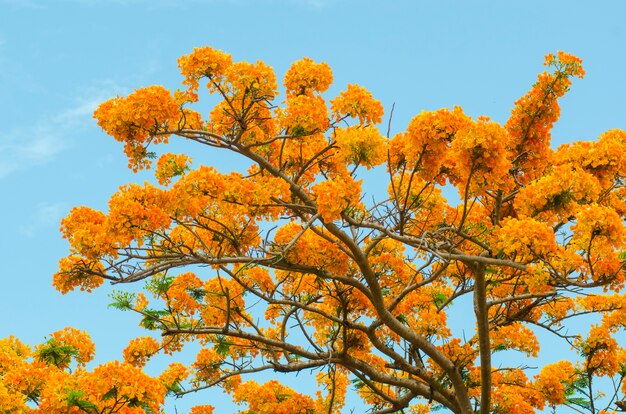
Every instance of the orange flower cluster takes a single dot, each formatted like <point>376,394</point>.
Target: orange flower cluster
<point>207,364</point>
<point>361,146</point>
<point>515,336</point>
<point>303,115</point>
<point>600,225</point>
<point>84,228</point>
<point>178,295</point>
<point>426,143</point>
<point>335,196</point>
<point>604,158</point>
<point>514,394</point>
<point>273,398</point>
<point>313,248</point>
<point>534,115</point>
<point>45,380</point>
<point>259,278</point>
<point>601,351</point>
<point>336,385</point>
<point>171,165</point>
<point>480,159</point>
<point>222,296</point>
<point>305,77</point>
<point>427,207</point>
<point>525,238</point>
<point>140,350</point>
<point>77,272</point>
<point>141,118</point>
<point>553,381</point>
<point>77,339</point>
<point>387,261</point>
<point>357,102</point>
<point>203,62</point>
<point>599,236</point>
<point>558,195</point>
<point>202,409</point>
<point>247,81</point>
<point>173,375</point>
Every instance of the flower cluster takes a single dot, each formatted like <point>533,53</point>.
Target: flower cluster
<point>45,378</point>
<point>171,165</point>
<point>480,158</point>
<point>357,102</point>
<point>553,381</point>
<point>361,145</point>
<point>303,115</point>
<point>179,295</point>
<point>525,237</point>
<point>515,336</point>
<point>534,115</point>
<point>272,397</point>
<point>426,143</point>
<point>558,195</point>
<point>140,350</point>
<point>605,158</point>
<point>336,195</point>
<point>203,62</point>
<point>145,116</point>
<point>305,77</point>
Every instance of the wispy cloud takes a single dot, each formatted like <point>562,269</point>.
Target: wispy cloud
<point>318,4</point>
<point>25,147</point>
<point>46,215</point>
<point>21,4</point>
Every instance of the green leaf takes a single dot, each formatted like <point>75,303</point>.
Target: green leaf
<point>160,284</point>
<point>53,353</point>
<point>122,300</point>
<point>174,388</point>
<point>579,401</point>
<point>152,317</point>
<point>112,393</point>
<point>402,319</point>
<point>440,299</point>
<point>74,399</point>
<point>223,346</point>
<point>196,294</point>
<point>357,383</point>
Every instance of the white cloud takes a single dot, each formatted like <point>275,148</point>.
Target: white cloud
<point>46,215</point>
<point>28,146</point>
<point>21,4</point>
<point>318,4</point>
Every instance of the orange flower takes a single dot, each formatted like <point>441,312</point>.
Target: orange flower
<point>357,102</point>
<point>140,350</point>
<point>305,77</point>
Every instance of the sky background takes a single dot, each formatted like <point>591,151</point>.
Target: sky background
<point>60,58</point>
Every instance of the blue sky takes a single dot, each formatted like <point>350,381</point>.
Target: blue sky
<point>60,58</point>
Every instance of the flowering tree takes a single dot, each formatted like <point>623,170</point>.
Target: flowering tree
<point>294,267</point>
<point>52,376</point>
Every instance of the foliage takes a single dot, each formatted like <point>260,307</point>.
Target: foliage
<point>52,377</point>
<point>359,290</point>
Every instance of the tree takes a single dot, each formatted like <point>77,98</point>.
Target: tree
<point>297,264</point>
<point>53,377</point>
